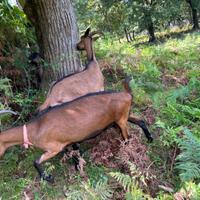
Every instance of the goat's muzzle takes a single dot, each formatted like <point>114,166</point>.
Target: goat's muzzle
<point>79,48</point>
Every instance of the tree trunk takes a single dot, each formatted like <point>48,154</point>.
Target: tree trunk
<point>195,19</point>
<point>194,16</point>
<point>152,37</point>
<point>57,36</point>
<point>126,33</point>
<point>151,31</point>
<point>133,35</point>
<point>130,37</point>
<point>149,25</point>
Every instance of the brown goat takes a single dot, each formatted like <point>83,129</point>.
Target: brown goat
<point>73,122</point>
<point>73,86</point>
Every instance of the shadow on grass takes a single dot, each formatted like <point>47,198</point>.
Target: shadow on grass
<point>166,36</point>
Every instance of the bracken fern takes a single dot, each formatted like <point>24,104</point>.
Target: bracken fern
<point>86,191</point>
<point>188,162</point>
<point>131,183</point>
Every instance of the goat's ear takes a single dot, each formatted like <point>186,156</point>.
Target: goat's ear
<point>87,32</point>
<point>95,38</point>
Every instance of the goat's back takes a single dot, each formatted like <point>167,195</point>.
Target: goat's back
<point>88,81</point>
<point>74,121</point>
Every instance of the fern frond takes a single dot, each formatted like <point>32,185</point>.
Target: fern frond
<point>87,191</point>
<point>124,179</point>
<point>103,191</point>
<point>74,195</point>
<point>188,162</point>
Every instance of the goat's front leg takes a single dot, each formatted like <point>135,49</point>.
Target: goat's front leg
<point>76,146</point>
<point>37,165</point>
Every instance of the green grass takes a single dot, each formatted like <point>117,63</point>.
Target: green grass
<point>176,105</point>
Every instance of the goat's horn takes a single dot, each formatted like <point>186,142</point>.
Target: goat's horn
<point>96,32</point>
<point>7,111</point>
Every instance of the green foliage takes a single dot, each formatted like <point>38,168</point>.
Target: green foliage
<point>131,183</point>
<point>86,191</point>
<point>188,162</point>
<point>176,105</point>
<point>144,12</point>
<point>195,4</point>
<point>5,87</point>
<point>5,91</point>
<point>190,190</point>
<point>14,26</point>
<point>26,102</point>
<point>96,174</point>
<point>108,16</point>
<point>134,16</point>
<point>182,106</point>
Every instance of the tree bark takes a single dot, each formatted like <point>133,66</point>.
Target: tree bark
<point>194,15</point>
<point>57,35</point>
<point>133,35</point>
<point>150,29</point>
<point>130,37</point>
<point>126,33</point>
<point>195,19</point>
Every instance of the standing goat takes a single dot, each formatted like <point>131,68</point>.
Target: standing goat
<point>75,85</point>
<point>73,122</point>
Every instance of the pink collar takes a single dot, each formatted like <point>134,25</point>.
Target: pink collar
<point>25,135</point>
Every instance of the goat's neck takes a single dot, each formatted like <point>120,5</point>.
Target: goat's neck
<point>90,52</point>
<point>13,136</point>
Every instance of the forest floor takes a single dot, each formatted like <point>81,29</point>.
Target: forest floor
<point>166,88</point>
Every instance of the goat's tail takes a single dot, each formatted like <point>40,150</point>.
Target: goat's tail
<point>126,84</point>
<point>44,106</point>
<point>51,87</point>
<point>136,120</point>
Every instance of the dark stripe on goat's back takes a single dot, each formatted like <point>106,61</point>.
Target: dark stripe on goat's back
<point>69,102</point>
<point>67,76</point>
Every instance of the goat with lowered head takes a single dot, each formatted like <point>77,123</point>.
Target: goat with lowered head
<point>75,85</point>
<point>73,122</point>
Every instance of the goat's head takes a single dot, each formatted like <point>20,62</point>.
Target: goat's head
<point>87,38</point>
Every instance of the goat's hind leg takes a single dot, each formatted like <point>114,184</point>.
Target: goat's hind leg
<point>37,165</point>
<point>76,147</point>
<point>122,124</point>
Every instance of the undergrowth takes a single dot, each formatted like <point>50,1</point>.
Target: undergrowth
<point>166,92</point>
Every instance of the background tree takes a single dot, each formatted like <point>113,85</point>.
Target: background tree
<point>108,16</point>
<point>127,17</point>
<point>57,35</point>
<point>195,7</point>
<point>152,15</point>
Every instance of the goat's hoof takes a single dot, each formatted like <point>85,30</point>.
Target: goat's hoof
<point>126,142</point>
<point>76,162</point>
<point>49,178</point>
